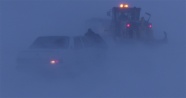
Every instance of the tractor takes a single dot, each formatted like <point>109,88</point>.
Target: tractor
<point>126,23</point>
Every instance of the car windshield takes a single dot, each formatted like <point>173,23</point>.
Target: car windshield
<point>51,42</point>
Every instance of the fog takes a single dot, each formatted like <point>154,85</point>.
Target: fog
<point>127,70</point>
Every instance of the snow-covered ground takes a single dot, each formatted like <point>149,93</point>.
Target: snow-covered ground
<point>128,70</point>
<point>131,70</point>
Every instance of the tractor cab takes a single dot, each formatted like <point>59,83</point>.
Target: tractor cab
<point>124,13</point>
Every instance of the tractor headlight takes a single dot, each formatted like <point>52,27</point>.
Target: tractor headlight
<point>124,5</point>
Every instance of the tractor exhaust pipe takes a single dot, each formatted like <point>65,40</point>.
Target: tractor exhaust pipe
<point>148,15</point>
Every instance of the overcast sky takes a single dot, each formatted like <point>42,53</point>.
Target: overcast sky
<point>30,18</point>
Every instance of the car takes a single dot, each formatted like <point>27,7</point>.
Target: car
<point>59,54</point>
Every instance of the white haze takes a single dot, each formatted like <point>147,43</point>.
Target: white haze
<point>128,70</point>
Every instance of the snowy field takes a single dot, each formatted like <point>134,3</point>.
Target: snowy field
<point>133,70</point>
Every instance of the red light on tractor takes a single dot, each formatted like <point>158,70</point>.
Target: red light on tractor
<point>128,25</point>
<point>150,25</point>
<point>54,62</point>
